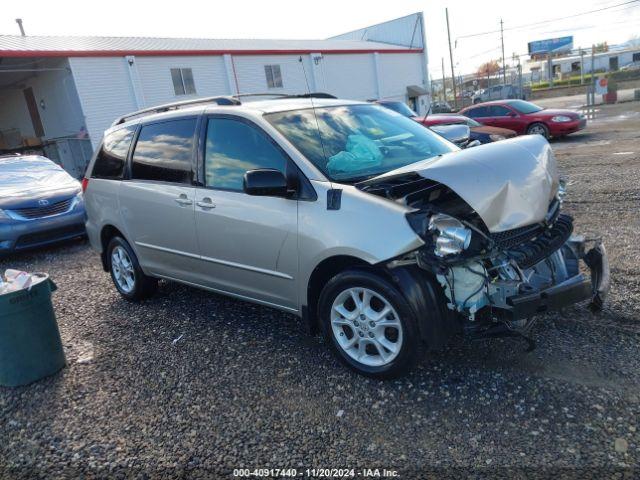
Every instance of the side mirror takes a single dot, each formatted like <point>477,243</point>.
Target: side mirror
<point>512,114</point>
<point>266,182</point>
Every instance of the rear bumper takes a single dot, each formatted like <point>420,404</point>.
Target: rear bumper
<point>24,235</point>
<point>573,290</point>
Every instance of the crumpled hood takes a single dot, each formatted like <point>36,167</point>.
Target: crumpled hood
<point>32,177</point>
<point>510,184</point>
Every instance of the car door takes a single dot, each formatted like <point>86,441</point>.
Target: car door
<point>248,244</point>
<point>480,114</point>
<point>157,200</point>
<point>506,117</point>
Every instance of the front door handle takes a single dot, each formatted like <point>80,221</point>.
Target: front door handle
<point>206,203</point>
<point>183,200</point>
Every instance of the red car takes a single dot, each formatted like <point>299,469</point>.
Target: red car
<point>482,133</point>
<point>526,118</point>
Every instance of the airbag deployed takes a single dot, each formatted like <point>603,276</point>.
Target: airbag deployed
<point>361,153</point>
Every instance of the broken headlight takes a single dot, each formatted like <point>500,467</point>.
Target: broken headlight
<point>450,236</point>
<point>562,190</point>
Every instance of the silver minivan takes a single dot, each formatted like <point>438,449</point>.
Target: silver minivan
<point>371,228</point>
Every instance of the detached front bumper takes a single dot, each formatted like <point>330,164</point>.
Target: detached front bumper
<point>573,290</point>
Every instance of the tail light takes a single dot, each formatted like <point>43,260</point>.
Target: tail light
<point>85,184</point>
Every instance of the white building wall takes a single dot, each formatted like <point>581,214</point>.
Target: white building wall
<point>350,76</point>
<point>56,100</point>
<point>209,76</point>
<point>112,86</point>
<point>105,91</point>
<point>397,72</point>
<point>251,76</point>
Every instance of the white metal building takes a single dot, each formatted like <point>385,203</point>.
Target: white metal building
<point>55,88</point>
<point>611,60</point>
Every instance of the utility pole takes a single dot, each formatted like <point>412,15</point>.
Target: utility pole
<point>593,85</point>
<point>550,69</point>
<point>444,88</point>
<point>504,66</point>
<point>453,75</point>
<point>581,66</point>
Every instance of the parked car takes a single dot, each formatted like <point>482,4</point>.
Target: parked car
<point>365,224</point>
<point>500,92</point>
<point>527,118</point>
<point>459,134</point>
<point>478,132</point>
<point>441,107</point>
<point>631,67</point>
<point>481,133</point>
<point>40,203</point>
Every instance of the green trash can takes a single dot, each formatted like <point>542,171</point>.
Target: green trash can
<point>30,344</point>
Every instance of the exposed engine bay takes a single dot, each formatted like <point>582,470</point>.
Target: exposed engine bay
<point>495,278</point>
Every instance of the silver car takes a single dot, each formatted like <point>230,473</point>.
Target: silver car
<point>371,228</point>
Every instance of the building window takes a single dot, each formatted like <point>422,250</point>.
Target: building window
<point>274,77</point>
<point>636,57</point>
<point>183,81</point>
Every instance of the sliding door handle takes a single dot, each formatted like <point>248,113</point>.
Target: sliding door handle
<point>206,203</point>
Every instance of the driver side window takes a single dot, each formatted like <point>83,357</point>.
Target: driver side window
<point>232,148</point>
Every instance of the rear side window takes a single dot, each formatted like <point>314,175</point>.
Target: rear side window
<point>498,111</point>
<point>163,152</point>
<point>477,112</point>
<point>112,156</point>
<point>233,147</point>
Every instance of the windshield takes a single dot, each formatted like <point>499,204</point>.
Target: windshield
<point>358,141</point>
<point>525,107</point>
<point>401,108</point>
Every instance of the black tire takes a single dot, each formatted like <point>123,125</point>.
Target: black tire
<point>411,349</point>
<point>143,285</point>
<point>539,128</point>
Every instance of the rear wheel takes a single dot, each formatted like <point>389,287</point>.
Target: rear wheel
<point>369,324</point>
<point>126,273</point>
<point>538,129</point>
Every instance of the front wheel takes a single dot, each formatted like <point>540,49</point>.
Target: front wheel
<point>126,273</point>
<point>538,129</point>
<point>369,324</point>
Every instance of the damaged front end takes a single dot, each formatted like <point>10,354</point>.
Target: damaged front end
<point>497,281</point>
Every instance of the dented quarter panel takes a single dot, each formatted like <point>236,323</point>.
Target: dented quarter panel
<point>509,183</point>
<point>365,226</point>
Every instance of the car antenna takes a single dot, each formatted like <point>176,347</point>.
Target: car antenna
<point>313,107</point>
<point>428,111</point>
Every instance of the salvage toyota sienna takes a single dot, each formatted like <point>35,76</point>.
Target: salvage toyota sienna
<point>373,230</point>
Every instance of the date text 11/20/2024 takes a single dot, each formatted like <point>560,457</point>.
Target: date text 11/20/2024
<point>316,472</point>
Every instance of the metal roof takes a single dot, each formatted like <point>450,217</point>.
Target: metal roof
<point>71,46</point>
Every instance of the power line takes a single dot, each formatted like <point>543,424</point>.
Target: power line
<point>549,20</point>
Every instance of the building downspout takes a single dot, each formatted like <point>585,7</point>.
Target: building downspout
<point>134,80</point>
<point>425,60</point>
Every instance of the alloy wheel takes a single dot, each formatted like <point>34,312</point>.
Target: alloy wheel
<point>122,268</point>
<point>538,130</point>
<point>366,326</point>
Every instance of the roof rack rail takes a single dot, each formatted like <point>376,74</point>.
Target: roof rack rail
<point>286,95</point>
<point>220,100</point>
<point>312,95</point>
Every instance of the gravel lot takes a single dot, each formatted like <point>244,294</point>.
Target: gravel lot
<point>191,383</point>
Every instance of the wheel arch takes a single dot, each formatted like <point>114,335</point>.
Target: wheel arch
<point>321,274</point>
<point>436,323</point>
<point>106,234</point>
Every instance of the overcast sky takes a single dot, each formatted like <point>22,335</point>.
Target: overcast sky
<point>299,19</point>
